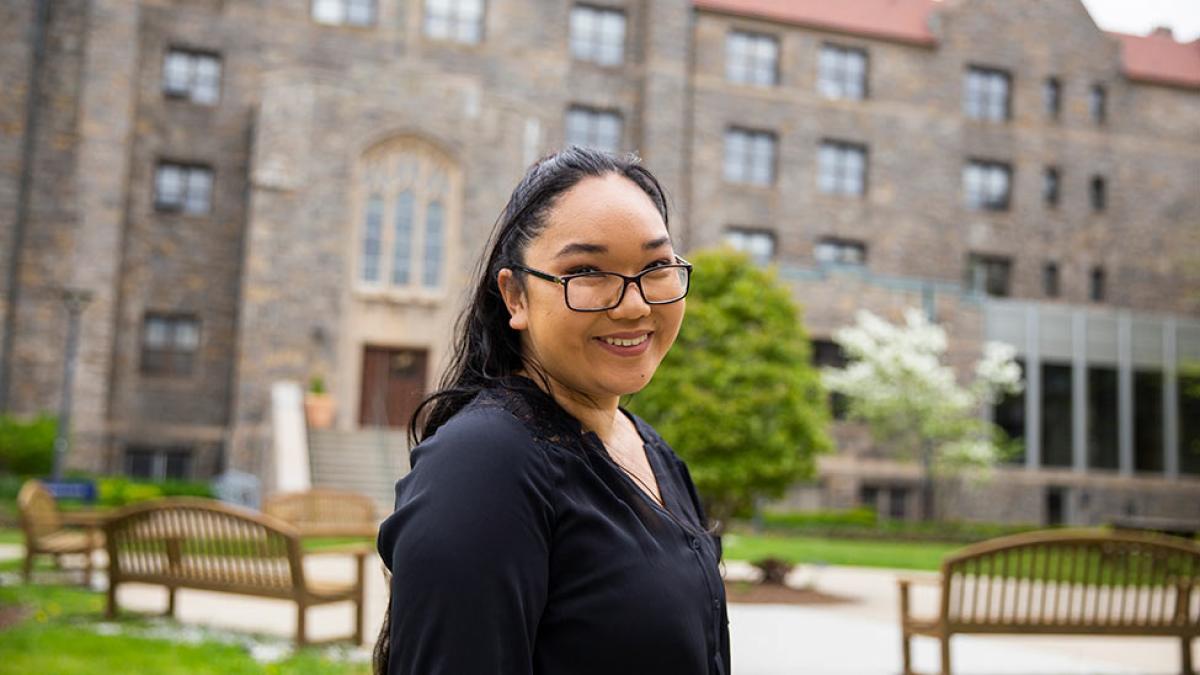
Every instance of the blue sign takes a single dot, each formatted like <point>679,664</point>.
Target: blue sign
<point>83,490</point>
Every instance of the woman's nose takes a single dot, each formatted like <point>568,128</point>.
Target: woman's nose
<point>633,304</point>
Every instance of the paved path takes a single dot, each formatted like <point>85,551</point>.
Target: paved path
<point>857,637</point>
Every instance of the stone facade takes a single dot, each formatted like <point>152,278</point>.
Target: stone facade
<point>270,270</point>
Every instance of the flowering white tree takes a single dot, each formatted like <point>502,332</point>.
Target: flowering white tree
<point>896,382</point>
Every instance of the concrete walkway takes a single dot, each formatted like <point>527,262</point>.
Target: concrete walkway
<point>856,637</point>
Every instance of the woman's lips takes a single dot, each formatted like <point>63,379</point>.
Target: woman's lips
<point>642,343</point>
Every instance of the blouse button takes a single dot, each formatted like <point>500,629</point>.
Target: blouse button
<point>695,543</point>
<point>716,603</point>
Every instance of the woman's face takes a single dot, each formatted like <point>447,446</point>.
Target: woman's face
<point>603,224</point>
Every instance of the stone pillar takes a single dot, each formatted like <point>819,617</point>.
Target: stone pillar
<point>1033,391</point>
<point>1125,393</point>
<point>106,118</point>
<point>1079,391</point>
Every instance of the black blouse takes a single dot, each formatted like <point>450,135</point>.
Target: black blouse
<point>519,547</point>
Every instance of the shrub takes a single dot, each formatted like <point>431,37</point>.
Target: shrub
<point>27,446</point>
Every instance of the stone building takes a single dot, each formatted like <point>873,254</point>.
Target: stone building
<point>281,190</point>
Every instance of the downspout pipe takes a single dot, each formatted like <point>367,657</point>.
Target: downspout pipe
<point>28,146</point>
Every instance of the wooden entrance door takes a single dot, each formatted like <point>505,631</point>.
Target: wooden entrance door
<point>393,382</point>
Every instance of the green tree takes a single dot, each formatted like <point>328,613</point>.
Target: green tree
<point>736,396</point>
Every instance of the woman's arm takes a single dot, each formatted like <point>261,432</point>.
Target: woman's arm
<point>469,548</point>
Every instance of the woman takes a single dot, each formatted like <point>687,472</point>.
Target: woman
<point>544,529</point>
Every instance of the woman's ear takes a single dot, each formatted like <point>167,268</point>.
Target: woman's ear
<point>514,299</point>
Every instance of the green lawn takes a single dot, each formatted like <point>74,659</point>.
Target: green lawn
<point>861,553</point>
<point>59,634</point>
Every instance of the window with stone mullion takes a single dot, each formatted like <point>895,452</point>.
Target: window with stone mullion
<point>597,35</point>
<point>751,58</point>
<point>456,20</point>
<point>842,72</point>
<point>600,129</point>
<point>986,94</point>
<point>841,168</point>
<point>344,12</point>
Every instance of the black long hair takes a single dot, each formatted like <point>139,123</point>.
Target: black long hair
<point>486,348</point>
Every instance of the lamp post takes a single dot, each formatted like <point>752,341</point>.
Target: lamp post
<point>75,299</point>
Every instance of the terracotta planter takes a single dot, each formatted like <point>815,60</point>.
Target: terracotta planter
<point>319,410</point>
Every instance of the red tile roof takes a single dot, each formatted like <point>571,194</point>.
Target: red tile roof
<point>902,20</point>
<point>1160,59</point>
<point>1155,58</point>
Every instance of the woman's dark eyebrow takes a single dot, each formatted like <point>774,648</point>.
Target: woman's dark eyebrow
<point>578,247</point>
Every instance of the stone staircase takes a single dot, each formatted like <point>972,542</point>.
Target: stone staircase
<point>369,461</point>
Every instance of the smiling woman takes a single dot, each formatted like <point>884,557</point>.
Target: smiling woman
<point>544,528</point>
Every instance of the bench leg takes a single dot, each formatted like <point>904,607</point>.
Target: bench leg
<point>170,602</point>
<point>87,568</point>
<point>110,611</point>
<point>301,638</point>
<point>27,566</point>
<point>906,650</point>
<point>945,640</point>
<point>1186,664</point>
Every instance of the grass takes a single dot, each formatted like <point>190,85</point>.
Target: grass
<point>59,634</point>
<point>860,553</point>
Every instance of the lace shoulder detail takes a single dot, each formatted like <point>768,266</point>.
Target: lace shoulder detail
<point>524,400</point>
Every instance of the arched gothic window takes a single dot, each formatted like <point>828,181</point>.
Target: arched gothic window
<point>409,198</point>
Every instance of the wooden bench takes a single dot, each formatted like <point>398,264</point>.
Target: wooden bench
<point>204,544</point>
<point>1065,582</point>
<point>49,531</point>
<point>322,512</point>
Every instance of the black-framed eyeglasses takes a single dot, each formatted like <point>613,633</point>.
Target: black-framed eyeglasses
<point>601,291</point>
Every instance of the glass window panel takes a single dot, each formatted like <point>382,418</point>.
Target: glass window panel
<point>1102,418</point>
<point>199,191</point>
<point>1189,421</point>
<point>328,11</point>
<point>169,185</point>
<point>178,465</point>
<point>139,464</point>
<point>372,242</point>
<point>433,246</point>
<point>206,86</point>
<point>402,243</point>
<point>176,71</point>
<point>1148,421</point>
<point>1009,415</point>
<point>1056,414</point>
<point>155,334</point>
<point>187,334</point>
<point>360,12</point>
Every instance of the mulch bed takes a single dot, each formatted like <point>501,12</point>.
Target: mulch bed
<point>10,615</point>
<point>752,593</point>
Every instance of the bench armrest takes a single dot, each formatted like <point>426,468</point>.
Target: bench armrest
<point>84,518</point>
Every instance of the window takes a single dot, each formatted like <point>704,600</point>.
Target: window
<point>868,497</point>
<point>1050,186</point>
<point>751,58</point>
<point>1050,284</point>
<point>986,185</point>
<point>829,353</point>
<point>455,20</point>
<point>987,94</point>
<point>1098,103</point>
<point>1009,414</point>
<point>158,463</point>
<point>1148,421</point>
<point>760,244</point>
<point>597,35</point>
<point>1057,429</point>
<point>833,251</point>
<point>169,344</point>
<point>842,168</point>
<point>193,76</point>
<point>1096,287</point>
<point>1102,416</point>
<point>897,503</point>
<point>1056,505</point>
<point>600,129</point>
<point>1097,193</point>
<point>988,274</point>
<point>405,219</point>
<point>344,12</point>
<point>1188,400</point>
<point>183,188</point>
<point>842,72</point>
<point>1052,97</point>
<point>749,156</point>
